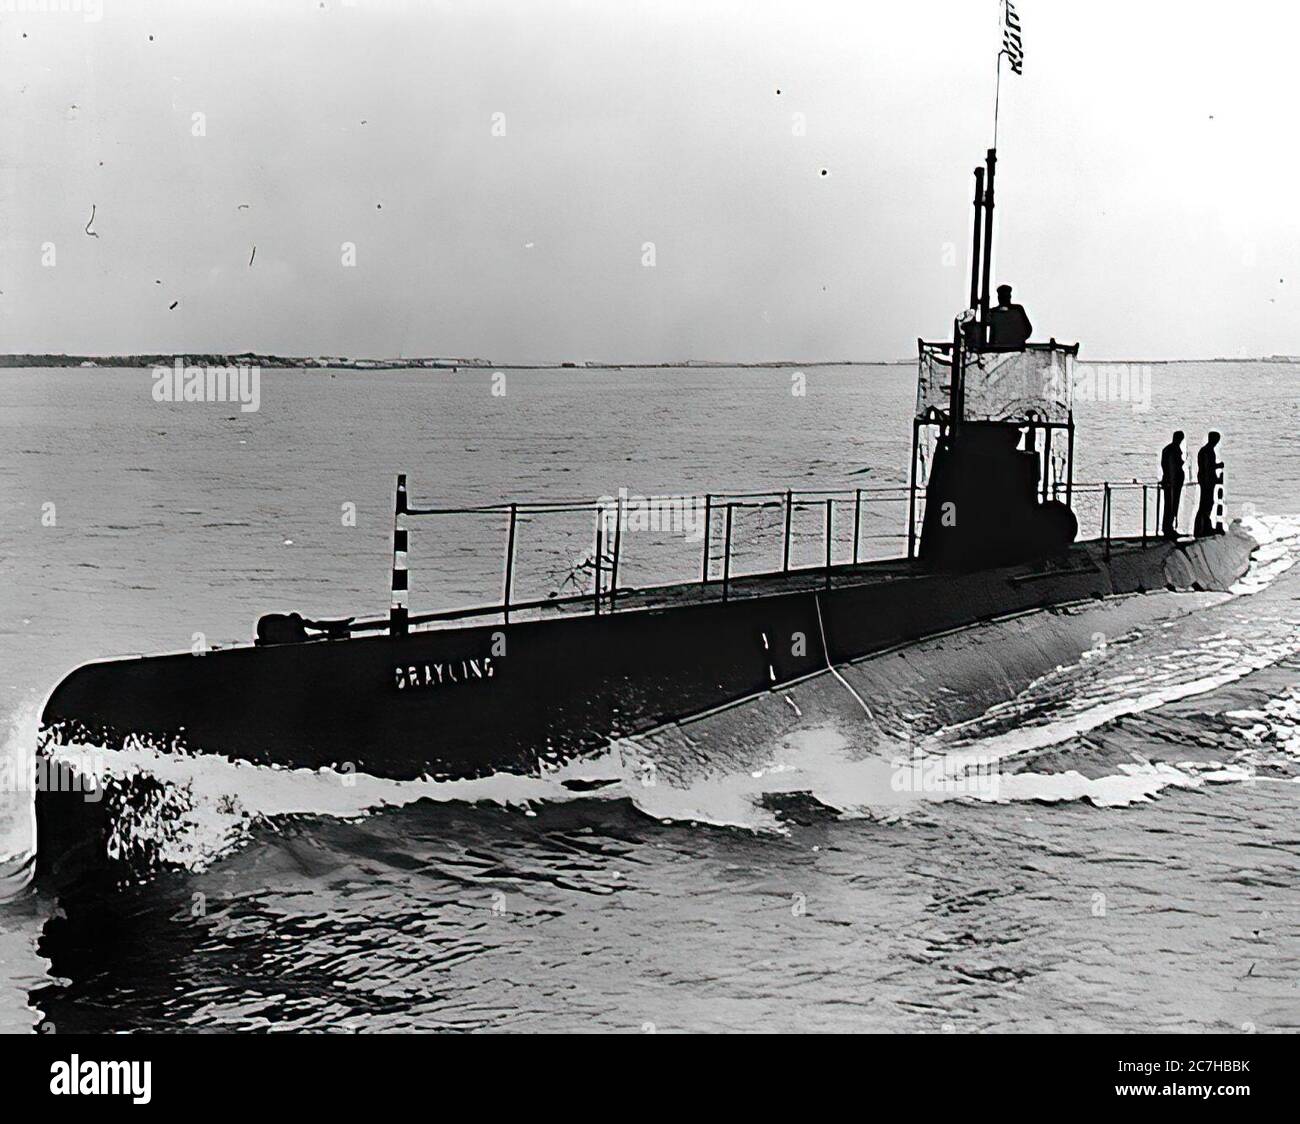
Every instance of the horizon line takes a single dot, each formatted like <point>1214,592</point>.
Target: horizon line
<point>446,362</point>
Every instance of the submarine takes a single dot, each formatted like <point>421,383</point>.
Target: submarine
<point>523,686</point>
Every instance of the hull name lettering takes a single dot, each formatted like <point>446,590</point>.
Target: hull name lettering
<point>443,674</point>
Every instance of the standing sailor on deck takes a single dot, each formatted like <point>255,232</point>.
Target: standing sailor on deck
<point>1171,483</point>
<point>1209,475</point>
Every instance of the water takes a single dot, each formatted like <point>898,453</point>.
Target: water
<point>1129,862</point>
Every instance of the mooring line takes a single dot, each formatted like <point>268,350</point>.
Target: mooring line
<point>830,666</point>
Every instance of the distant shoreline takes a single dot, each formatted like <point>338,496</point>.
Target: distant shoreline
<point>325,362</point>
<point>328,362</point>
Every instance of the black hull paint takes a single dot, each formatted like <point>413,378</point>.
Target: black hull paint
<point>541,691</point>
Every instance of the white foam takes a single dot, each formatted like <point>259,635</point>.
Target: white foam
<point>218,799</point>
<point>17,810</point>
<point>1275,726</point>
<point>1027,738</point>
<point>817,762</point>
<point>1278,537</point>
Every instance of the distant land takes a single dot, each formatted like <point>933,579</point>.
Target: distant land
<point>326,362</point>
<point>321,362</point>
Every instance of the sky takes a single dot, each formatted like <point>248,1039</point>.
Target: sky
<point>536,181</point>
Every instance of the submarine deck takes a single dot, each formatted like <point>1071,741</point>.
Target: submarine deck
<point>1080,557</point>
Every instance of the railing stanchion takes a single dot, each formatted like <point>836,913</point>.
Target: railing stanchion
<point>1105,516</point>
<point>510,562</point>
<point>785,553</point>
<point>618,542</point>
<point>399,606</point>
<point>708,528</point>
<point>1069,459</point>
<point>911,492</point>
<point>830,530</point>
<point>726,556</point>
<point>600,527</point>
<point>1047,458</point>
<point>857,522</point>
<point>1144,513</point>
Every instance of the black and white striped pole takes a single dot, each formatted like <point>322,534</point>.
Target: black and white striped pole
<point>1216,523</point>
<point>399,606</point>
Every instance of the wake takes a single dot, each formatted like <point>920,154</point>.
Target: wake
<point>956,718</point>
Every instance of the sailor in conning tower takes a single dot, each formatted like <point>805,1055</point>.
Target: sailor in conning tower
<point>1009,327</point>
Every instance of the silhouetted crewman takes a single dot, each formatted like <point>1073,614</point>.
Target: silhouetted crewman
<point>292,628</point>
<point>1009,327</point>
<point>1209,473</point>
<point>1171,483</point>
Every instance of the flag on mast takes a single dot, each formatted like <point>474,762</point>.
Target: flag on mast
<point>1011,44</point>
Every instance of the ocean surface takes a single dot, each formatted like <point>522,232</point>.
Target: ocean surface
<point>1127,859</point>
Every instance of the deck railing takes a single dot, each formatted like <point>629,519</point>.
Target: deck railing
<point>606,558</point>
<point>1138,504</point>
<point>1140,508</point>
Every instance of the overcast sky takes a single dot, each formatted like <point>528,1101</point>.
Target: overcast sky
<point>1148,176</point>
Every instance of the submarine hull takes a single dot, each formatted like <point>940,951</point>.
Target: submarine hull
<point>468,701</point>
